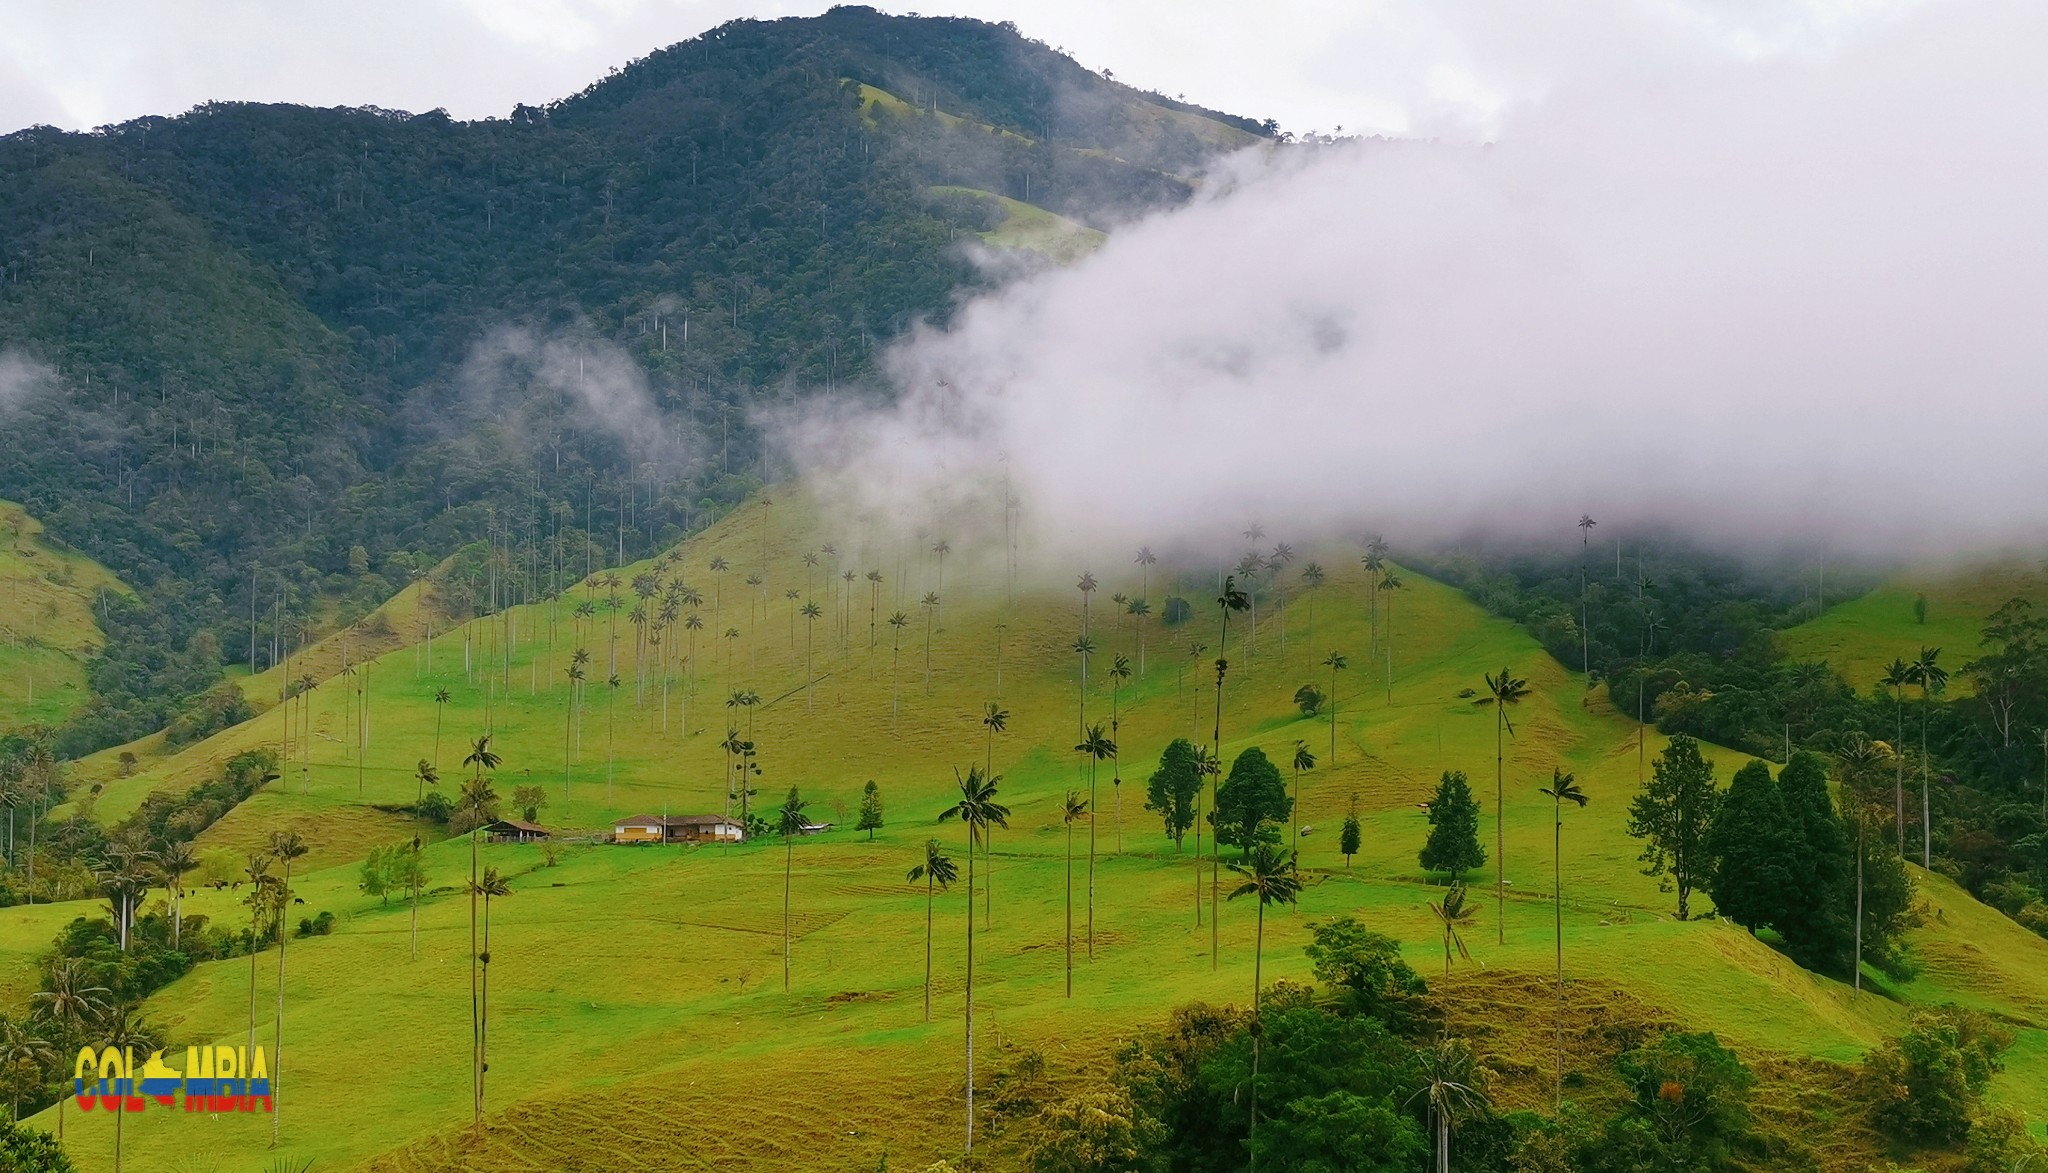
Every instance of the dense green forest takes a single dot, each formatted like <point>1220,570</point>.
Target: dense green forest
<point>1689,639</point>
<point>299,356</point>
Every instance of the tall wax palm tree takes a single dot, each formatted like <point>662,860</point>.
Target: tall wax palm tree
<point>611,705</point>
<point>1119,672</point>
<point>173,862</point>
<point>1072,810</point>
<point>937,870</point>
<point>930,603</point>
<point>478,800</point>
<point>978,809</point>
<point>1453,1087</point>
<point>1247,572</point>
<point>997,720</point>
<point>1095,746</point>
<point>1389,583</point>
<point>846,578</point>
<point>1374,561</point>
<point>1146,560</point>
<point>1269,873</point>
<point>1140,611</point>
<point>441,699</point>
<point>119,1027</point>
<point>1586,524</point>
<point>898,621</point>
<point>488,885</point>
<point>1304,761</point>
<point>426,775</point>
<point>1084,648</point>
<point>789,822</point>
<point>1897,675</point>
<point>285,847</point>
<point>1336,662</point>
<point>1086,585</point>
<point>1312,575</point>
<point>1563,788</point>
<point>1453,914</point>
<point>1502,692</point>
<point>261,901</point>
<point>1930,677</point>
<point>70,999</point>
<point>1000,628</point>
<point>874,578</point>
<point>414,875</point>
<point>1230,599</point>
<point>1857,763</point>
<point>19,1045</point>
<point>1205,767</point>
<point>811,613</point>
<point>1280,559</point>
<point>575,674</point>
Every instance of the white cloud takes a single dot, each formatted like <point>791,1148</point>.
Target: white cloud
<point>1769,298</point>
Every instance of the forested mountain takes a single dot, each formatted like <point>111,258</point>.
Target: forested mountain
<point>297,356</point>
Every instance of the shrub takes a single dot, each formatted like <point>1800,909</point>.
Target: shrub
<point>1693,1091</point>
<point>2000,1143</point>
<point>1923,1085</point>
<point>435,806</point>
<point>1309,699</point>
<point>1096,1131</point>
<point>1364,966</point>
<point>30,1150</point>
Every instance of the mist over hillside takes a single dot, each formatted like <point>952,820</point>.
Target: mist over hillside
<point>271,362</point>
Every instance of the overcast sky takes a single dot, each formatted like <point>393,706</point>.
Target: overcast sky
<point>1399,66</point>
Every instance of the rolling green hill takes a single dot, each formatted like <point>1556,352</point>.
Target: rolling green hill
<point>1860,637</point>
<point>300,355</point>
<point>47,628</point>
<point>636,992</point>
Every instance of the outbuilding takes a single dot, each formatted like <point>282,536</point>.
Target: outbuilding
<point>678,829</point>
<point>515,831</point>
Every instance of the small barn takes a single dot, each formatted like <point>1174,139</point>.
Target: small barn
<point>515,831</point>
<point>705,829</point>
<point>678,829</point>
<point>640,829</point>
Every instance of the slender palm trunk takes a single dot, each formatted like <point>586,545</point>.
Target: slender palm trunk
<point>1557,910</point>
<point>1926,800</point>
<point>1500,850</point>
<point>483,1016</point>
<point>971,836</point>
<point>788,861</point>
<point>277,1038</point>
<point>1333,714</point>
<point>476,1093</point>
<point>927,947</point>
<point>1093,762</point>
<point>1215,786</point>
<point>1857,974</point>
<point>1258,961</point>
<point>1070,910</point>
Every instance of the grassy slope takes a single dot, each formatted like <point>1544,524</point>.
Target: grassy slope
<point>1034,229</point>
<point>1858,638</point>
<point>398,624</point>
<point>47,629</point>
<point>651,977</point>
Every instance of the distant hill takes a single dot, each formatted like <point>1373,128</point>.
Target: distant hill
<point>47,627</point>
<point>265,318</point>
